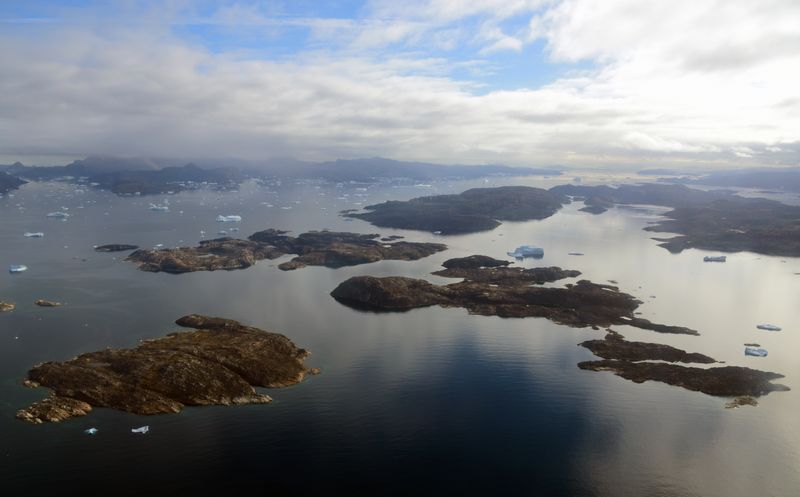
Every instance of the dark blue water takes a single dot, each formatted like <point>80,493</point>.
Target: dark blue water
<point>429,402</point>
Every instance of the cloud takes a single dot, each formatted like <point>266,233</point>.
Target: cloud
<point>699,82</point>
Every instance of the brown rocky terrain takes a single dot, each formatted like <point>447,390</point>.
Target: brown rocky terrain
<point>630,360</point>
<point>219,363</point>
<point>315,248</point>
<point>725,381</point>
<point>504,292</point>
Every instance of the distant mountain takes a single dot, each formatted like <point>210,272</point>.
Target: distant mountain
<point>769,178</point>
<point>380,168</point>
<point>131,175</point>
<point>8,182</point>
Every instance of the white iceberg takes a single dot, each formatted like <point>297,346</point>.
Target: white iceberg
<point>90,431</point>
<point>141,429</point>
<point>37,234</point>
<point>17,268</point>
<point>755,352</point>
<point>160,207</point>
<point>527,251</point>
<point>229,219</point>
<point>58,214</point>
<point>768,327</point>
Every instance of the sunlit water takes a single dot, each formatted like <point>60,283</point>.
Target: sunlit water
<point>429,402</point>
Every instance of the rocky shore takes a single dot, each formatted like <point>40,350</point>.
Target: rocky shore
<point>315,248</point>
<point>219,363</point>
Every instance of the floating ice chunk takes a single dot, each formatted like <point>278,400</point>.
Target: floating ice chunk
<point>17,268</point>
<point>90,431</point>
<point>58,214</point>
<point>527,251</point>
<point>755,352</point>
<point>222,232</point>
<point>229,219</point>
<point>715,258</point>
<point>37,234</point>
<point>768,327</point>
<point>141,429</point>
<point>160,207</point>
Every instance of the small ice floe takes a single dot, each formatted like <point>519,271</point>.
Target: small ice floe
<point>58,214</point>
<point>437,232</point>
<point>90,431</point>
<point>768,327</point>
<point>222,232</point>
<point>158,246</point>
<point>160,207</point>
<point>527,251</point>
<point>229,219</point>
<point>36,234</point>
<point>715,258</point>
<point>141,429</point>
<point>755,352</point>
<point>287,207</point>
<point>234,230</point>
<point>17,268</point>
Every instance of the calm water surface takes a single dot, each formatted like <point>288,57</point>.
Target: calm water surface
<point>429,402</point>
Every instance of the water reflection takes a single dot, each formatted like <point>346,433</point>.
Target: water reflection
<point>428,402</point>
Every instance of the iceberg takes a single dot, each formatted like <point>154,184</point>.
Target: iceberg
<point>715,258</point>
<point>90,431</point>
<point>159,207</point>
<point>17,268</point>
<point>141,429</point>
<point>37,234</point>
<point>755,352</point>
<point>768,327</point>
<point>527,251</point>
<point>58,214</point>
<point>229,219</point>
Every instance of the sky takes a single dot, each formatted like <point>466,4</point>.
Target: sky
<point>679,83</point>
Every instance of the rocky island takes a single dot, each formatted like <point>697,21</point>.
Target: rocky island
<point>712,220</point>
<point>478,209</point>
<point>115,247</point>
<point>491,289</point>
<point>219,363</point>
<point>315,248</point>
<point>630,360</point>
<point>6,306</point>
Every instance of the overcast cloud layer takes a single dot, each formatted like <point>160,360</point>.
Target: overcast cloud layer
<point>683,83</point>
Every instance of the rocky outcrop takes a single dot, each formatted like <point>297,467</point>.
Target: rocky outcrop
<point>726,381</point>
<point>7,306</point>
<point>478,209</point>
<point>630,360</point>
<point>504,292</point>
<point>48,303</point>
<point>316,248</point>
<point>115,247</point>
<point>219,363</point>
<point>614,346</point>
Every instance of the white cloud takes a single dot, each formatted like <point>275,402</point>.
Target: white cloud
<point>700,81</point>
